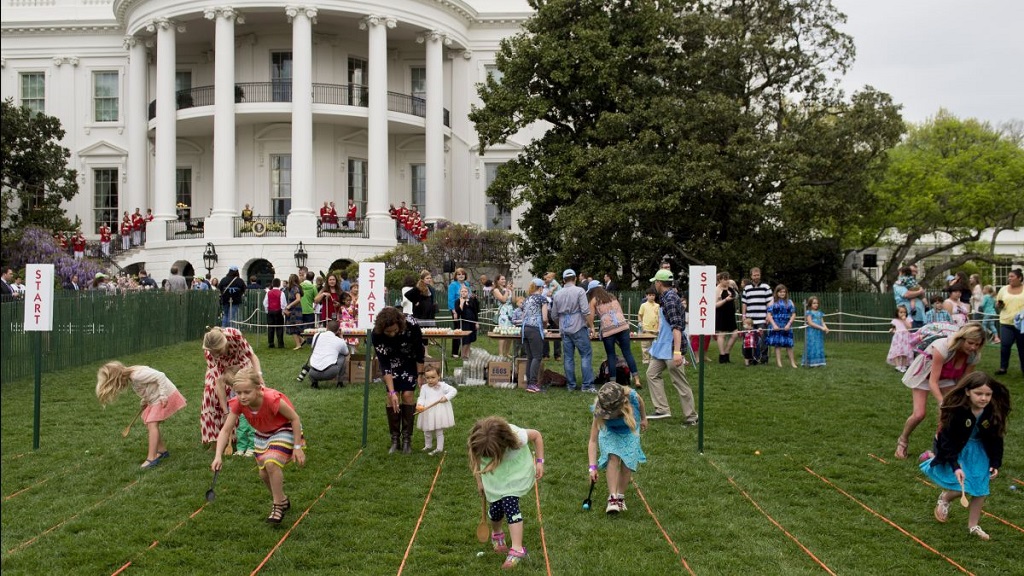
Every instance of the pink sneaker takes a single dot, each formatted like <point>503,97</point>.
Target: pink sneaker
<point>514,558</point>
<point>498,542</point>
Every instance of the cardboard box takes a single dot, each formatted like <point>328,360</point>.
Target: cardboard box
<point>499,373</point>
<point>357,370</point>
<point>521,372</point>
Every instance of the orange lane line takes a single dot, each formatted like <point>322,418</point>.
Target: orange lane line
<point>660,527</point>
<point>540,522</point>
<point>304,514</point>
<point>993,516</point>
<point>773,521</point>
<point>423,511</point>
<point>26,489</point>
<point>877,458</point>
<point>889,522</point>
<point>32,540</point>
<point>156,542</point>
<point>1017,480</point>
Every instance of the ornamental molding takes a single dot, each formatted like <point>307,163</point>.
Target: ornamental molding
<point>59,61</point>
<point>377,20</point>
<point>58,29</point>
<point>293,11</point>
<point>226,12</point>
<point>434,35</point>
<point>165,24</point>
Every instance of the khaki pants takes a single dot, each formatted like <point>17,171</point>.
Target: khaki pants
<point>657,386</point>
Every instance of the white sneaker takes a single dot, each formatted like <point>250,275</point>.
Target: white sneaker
<point>658,415</point>
<point>613,506</point>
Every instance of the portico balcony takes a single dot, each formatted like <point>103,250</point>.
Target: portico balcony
<point>281,92</point>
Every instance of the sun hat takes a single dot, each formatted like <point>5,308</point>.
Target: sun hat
<point>101,275</point>
<point>662,276</point>
<point>538,282</point>
<point>233,269</point>
<point>569,273</point>
<point>610,399</point>
<point>593,284</point>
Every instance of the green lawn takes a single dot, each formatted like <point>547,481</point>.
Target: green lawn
<point>80,505</point>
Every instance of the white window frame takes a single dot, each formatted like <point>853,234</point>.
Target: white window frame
<point>491,212</point>
<point>21,86</point>
<point>115,222</point>
<point>360,200</point>
<point>93,73</point>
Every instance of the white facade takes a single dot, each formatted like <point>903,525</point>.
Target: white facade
<point>279,106</point>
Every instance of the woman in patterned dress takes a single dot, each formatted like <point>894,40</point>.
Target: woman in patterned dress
<point>293,313</point>
<point>223,348</point>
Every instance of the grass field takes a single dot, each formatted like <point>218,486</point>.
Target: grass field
<point>796,478</point>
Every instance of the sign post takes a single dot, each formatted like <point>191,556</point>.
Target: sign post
<point>701,318</point>
<point>38,319</point>
<point>371,301</point>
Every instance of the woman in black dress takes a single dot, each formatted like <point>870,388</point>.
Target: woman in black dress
<point>397,341</point>
<point>725,316</point>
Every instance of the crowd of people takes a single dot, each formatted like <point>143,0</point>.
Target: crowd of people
<point>409,222</point>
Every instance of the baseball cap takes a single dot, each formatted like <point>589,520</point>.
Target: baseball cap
<point>593,284</point>
<point>663,276</point>
<point>101,275</point>
<point>569,272</point>
<point>538,282</point>
<point>610,399</point>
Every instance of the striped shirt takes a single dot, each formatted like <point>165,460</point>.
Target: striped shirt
<point>755,300</point>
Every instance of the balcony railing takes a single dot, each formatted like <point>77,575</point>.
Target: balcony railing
<point>358,229</point>
<point>260,226</point>
<point>185,228</point>
<point>281,91</point>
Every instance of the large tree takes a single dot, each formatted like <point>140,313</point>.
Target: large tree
<point>947,183</point>
<point>706,130</point>
<point>36,178</point>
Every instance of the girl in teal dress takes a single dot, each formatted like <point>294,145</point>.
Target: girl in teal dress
<point>619,416</point>
<point>814,350</point>
<point>969,445</point>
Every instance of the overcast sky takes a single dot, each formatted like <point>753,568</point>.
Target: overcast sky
<point>963,55</point>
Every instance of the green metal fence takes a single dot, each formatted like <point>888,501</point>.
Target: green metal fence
<point>91,327</point>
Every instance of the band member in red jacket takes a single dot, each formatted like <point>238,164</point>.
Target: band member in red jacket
<point>350,216</point>
<point>137,221</point>
<point>105,239</point>
<point>126,232</point>
<point>78,245</point>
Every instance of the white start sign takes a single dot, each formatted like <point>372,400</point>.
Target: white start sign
<point>701,315</point>
<point>371,293</point>
<point>38,297</point>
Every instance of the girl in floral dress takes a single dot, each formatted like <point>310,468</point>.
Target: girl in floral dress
<point>780,318</point>
<point>901,351</point>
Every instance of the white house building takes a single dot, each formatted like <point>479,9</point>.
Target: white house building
<point>196,108</point>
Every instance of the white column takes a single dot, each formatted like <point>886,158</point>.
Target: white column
<point>137,119</point>
<point>166,129</point>
<point>457,193</point>
<point>435,205</point>
<point>225,189</point>
<point>381,226</point>
<point>302,218</point>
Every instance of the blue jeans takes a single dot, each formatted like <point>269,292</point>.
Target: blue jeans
<point>230,313</point>
<point>622,339</point>
<point>579,340</point>
<point>1009,335</point>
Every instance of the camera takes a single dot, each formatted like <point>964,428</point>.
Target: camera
<point>303,372</point>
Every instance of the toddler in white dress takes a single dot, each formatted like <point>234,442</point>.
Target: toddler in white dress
<point>435,410</point>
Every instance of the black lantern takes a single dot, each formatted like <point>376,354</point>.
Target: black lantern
<point>300,256</point>
<point>210,257</point>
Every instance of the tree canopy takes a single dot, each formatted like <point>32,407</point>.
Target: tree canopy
<point>704,130</point>
<point>947,182</point>
<point>36,178</point>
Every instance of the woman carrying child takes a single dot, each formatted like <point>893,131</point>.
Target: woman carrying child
<point>275,420</point>
<point>505,470</point>
<point>160,400</point>
<point>969,445</point>
<point>614,430</point>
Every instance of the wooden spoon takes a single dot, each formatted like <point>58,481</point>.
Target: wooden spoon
<point>963,496</point>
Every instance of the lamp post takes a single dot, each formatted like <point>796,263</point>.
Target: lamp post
<point>210,257</point>
<point>300,255</point>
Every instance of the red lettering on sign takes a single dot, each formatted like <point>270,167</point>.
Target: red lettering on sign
<point>371,307</point>
<point>38,274</point>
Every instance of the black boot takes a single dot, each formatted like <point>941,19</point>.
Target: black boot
<point>408,414</point>
<point>722,358</point>
<point>395,426</point>
<point>727,361</point>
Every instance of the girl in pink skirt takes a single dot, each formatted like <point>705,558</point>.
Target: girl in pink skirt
<point>160,400</point>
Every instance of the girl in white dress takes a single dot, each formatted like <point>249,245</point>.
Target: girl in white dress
<point>435,410</point>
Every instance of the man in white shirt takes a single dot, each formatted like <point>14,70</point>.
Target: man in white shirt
<point>329,356</point>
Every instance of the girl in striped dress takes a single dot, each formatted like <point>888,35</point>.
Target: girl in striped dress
<point>278,435</point>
